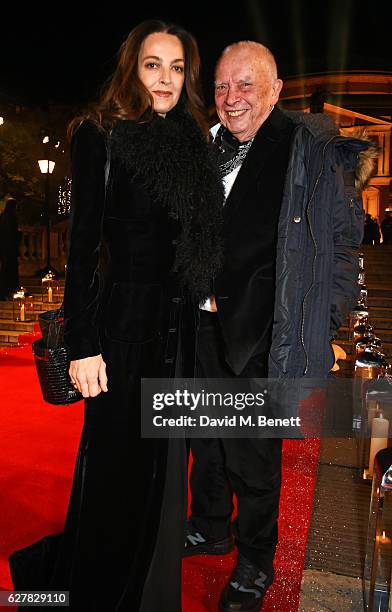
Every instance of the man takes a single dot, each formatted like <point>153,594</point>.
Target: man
<point>291,230</point>
<point>371,231</point>
<point>386,227</point>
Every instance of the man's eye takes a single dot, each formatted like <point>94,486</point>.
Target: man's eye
<point>245,85</point>
<point>220,87</point>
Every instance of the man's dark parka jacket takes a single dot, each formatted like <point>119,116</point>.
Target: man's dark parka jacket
<point>319,232</point>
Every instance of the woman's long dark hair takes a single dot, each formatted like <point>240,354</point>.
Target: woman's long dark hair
<point>124,95</point>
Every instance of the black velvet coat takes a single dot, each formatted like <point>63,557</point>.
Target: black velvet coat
<point>123,538</point>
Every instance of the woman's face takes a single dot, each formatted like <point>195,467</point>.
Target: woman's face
<point>161,69</point>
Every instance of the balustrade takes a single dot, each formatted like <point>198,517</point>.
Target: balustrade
<point>33,248</point>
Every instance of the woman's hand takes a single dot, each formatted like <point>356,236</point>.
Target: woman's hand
<point>88,375</point>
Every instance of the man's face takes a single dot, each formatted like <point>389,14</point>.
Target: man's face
<point>245,92</point>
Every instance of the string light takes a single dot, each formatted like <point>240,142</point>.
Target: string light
<point>64,197</point>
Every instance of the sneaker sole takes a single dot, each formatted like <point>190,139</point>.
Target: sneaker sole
<point>223,608</point>
<point>220,548</point>
<point>257,608</point>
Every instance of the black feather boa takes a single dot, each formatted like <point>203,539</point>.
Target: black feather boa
<point>175,164</point>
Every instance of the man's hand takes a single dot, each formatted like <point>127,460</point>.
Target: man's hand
<point>339,354</point>
<point>88,375</point>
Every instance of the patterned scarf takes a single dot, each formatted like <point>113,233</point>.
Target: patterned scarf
<point>231,152</point>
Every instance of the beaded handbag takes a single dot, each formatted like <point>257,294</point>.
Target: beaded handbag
<point>52,361</point>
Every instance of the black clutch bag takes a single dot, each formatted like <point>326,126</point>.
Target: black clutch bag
<point>52,361</point>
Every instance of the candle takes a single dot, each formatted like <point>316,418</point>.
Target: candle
<point>50,294</point>
<point>22,312</point>
<point>383,538</point>
<point>373,408</point>
<point>379,439</point>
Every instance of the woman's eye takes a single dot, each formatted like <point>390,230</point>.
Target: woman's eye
<point>178,68</point>
<point>152,65</point>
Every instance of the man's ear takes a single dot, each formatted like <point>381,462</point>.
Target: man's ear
<point>277,88</point>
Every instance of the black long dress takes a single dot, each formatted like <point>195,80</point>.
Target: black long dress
<point>9,247</point>
<point>123,539</point>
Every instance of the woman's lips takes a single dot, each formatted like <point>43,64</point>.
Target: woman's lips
<point>162,94</point>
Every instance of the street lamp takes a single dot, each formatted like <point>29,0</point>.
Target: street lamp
<point>46,167</point>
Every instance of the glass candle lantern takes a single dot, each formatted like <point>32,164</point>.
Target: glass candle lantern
<point>51,291</point>
<point>363,294</point>
<point>47,287</point>
<point>370,363</point>
<point>23,306</point>
<point>362,343</point>
<point>358,316</point>
<point>371,397</point>
<point>378,561</point>
<point>18,306</point>
<point>29,307</point>
<point>361,328</point>
<point>376,419</point>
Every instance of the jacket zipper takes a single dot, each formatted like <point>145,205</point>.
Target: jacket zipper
<point>315,253</point>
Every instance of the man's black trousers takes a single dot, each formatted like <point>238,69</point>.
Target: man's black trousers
<point>251,468</point>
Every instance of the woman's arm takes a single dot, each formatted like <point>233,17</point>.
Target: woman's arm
<point>81,298</point>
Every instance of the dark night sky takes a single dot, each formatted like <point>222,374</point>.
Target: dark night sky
<point>64,53</point>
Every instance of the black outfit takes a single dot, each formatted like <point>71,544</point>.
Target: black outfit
<point>249,467</point>
<point>371,232</point>
<point>386,228</point>
<point>123,538</point>
<point>250,233</point>
<point>9,248</point>
<point>291,231</point>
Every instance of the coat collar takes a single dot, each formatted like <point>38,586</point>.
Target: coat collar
<point>266,140</point>
<point>172,162</point>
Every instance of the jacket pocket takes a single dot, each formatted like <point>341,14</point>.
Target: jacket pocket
<point>133,312</point>
<point>356,217</point>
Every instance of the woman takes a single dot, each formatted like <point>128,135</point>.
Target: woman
<point>160,219</point>
<point>9,248</point>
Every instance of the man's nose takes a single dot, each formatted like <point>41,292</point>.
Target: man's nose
<point>232,96</point>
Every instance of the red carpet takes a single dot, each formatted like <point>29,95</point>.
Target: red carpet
<point>38,448</point>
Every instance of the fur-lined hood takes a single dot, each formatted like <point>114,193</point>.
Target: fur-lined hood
<point>366,158</point>
<point>361,151</point>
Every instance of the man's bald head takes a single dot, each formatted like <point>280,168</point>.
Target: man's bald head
<point>246,87</point>
<point>260,52</point>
